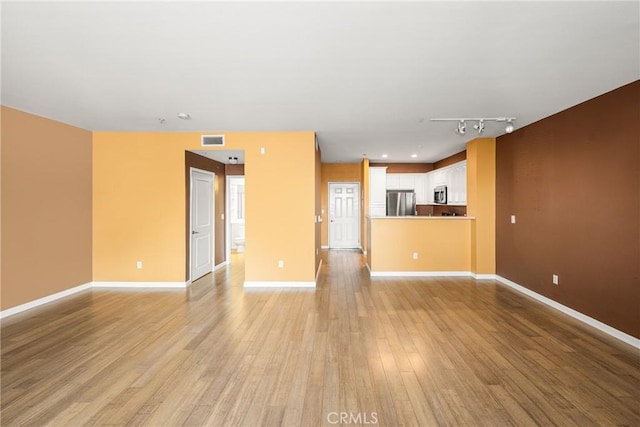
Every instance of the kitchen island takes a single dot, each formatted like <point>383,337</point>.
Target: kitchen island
<point>419,245</point>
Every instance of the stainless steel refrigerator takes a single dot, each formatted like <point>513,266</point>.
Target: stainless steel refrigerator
<point>401,202</point>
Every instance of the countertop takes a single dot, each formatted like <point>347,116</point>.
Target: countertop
<point>422,217</point>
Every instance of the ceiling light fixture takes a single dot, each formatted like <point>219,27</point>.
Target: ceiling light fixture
<point>413,156</point>
<point>480,126</point>
<point>384,156</point>
<point>184,116</point>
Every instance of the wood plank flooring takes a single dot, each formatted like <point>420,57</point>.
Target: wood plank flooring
<point>354,351</point>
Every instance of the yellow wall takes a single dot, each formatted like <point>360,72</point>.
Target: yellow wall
<point>481,203</point>
<point>441,244</point>
<point>364,204</point>
<point>139,212</point>
<point>46,207</point>
<point>336,172</point>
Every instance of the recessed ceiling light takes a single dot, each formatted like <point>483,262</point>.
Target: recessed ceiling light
<point>414,156</point>
<point>184,116</point>
<point>384,156</point>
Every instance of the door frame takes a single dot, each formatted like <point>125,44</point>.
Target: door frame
<point>213,218</point>
<point>329,211</point>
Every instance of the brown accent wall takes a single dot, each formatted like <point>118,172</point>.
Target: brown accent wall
<point>46,207</point>
<point>440,210</point>
<point>573,182</point>
<point>405,167</point>
<point>197,161</point>
<point>336,172</point>
<point>234,169</point>
<point>455,158</point>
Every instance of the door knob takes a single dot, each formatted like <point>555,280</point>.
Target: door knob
<point>195,232</point>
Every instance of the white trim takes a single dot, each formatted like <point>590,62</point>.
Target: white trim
<point>633,341</point>
<point>484,276</point>
<point>420,273</point>
<point>44,300</point>
<point>133,285</point>
<point>275,284</point>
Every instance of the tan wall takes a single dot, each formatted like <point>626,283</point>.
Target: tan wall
<point>336,172</point>
<point>364,204</point>
<point>139,208</point>
<point>46,207</point>
<point>318,205</point>
<point>441,244</point>
<point>481,203</point>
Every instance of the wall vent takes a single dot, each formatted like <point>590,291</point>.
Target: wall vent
<point>212,140</point>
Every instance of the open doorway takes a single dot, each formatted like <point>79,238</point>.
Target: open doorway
<point>236,209</point>
<point>220,163</point>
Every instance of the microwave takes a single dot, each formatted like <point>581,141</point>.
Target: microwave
<point>440,195</point>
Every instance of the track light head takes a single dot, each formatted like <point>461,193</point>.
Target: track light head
<point>480,126</point>
<point>509,127</point>
<point>462,127</point>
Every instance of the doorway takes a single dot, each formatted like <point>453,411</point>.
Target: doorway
<point>202,228</point>
<point>236,213</point>
<point>344,215</point>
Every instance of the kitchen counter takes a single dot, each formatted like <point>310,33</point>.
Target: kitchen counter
<point>420,217</point>
<point>419,245</point>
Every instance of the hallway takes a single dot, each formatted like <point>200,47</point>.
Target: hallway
<point>437,351</point>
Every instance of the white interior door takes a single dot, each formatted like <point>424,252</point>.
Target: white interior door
<point>202,229</point>
<point>344,215</point>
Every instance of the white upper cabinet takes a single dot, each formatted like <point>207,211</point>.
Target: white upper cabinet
<point>420,180</point>
<point>454,177</point>
<point>393,181</point>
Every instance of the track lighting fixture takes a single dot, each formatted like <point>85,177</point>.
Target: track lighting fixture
<point>480,126</point>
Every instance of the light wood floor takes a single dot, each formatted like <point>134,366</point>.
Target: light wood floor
<point>425,352</point>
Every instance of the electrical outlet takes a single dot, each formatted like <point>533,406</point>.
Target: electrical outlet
<point>415,255</point>
<point>513,219</point>
<point>280,264</point>
<point>138,265</point>
<point>555,279</point>
<point>262,150</point>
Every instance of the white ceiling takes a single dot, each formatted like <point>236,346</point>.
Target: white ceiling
<point>366,76</point>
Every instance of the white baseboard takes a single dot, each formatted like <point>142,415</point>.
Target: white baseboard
<point>419,273</point>
<point>633,341</point>
<point>44,300</point>
<point>134,285</point>
<point>276,284</point>
<point>221,265</point>
<point>484,276</point>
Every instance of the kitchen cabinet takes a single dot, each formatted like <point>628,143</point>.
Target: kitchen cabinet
<point>393,181</point>
<point>454,177</point>
<point>378,191</point>
<point>420,180</point>
<point>401,181</point>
